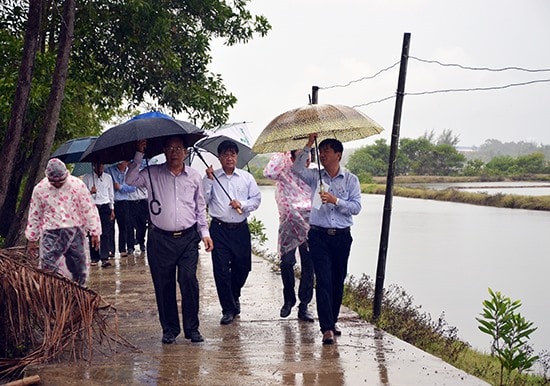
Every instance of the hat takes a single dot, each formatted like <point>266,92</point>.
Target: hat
<point>56,170</point>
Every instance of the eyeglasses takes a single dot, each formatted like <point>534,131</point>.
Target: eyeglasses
<point>228,155</point>
<point>177,149</point>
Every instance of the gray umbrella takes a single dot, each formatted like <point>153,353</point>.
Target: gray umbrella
<point>72,150</point>
<point>235,132</point>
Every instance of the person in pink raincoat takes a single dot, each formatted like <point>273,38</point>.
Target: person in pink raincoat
<point>293,198</point>
<point>61,212</point>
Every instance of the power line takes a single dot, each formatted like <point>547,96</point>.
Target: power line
<point>479,88</point>
<point>479,68</point>
<point>376,101</point>
<point>361,79</point>
<point>469,68</point>
<point>456,90</point>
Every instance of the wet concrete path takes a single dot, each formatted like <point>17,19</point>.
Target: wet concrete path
<point>258,348</point>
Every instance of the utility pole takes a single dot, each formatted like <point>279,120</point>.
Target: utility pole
<point>384,236</point>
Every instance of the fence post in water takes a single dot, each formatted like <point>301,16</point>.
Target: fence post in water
<point>384,236</point>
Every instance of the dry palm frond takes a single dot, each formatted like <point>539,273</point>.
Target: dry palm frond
<point>44,316</point>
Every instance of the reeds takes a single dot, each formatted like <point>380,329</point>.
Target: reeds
<point>44,316</point>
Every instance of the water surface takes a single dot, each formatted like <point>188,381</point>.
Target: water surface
<point>446,255</point>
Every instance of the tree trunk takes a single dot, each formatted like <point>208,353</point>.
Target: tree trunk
<point>15,126</point>
<point>44,142</point>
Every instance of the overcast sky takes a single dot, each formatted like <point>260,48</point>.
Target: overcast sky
<point>327,43</point>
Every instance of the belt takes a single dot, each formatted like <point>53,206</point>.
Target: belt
<point>329,231</point>
<point>174,234</point>
<point>101,205</point>
<point>228,225</point>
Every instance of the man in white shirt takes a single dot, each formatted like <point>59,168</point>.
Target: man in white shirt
<point>101,186</point>
<point>232,256</point>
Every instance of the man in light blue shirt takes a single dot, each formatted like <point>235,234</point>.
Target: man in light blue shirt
<point>329,237</point>
<point>122,209</point>
<point>230,200</point>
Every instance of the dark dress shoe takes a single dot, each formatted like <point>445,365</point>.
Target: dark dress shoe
<point>227,318</point>
<point>285,309</point>
<point>336,330</point>
<point>328,337</point>
<point>168,338</point>
<point>237,307</point>
<point>195,336</point>
<point>305,316</point>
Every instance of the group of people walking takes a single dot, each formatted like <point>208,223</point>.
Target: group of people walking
<point>315,211</point>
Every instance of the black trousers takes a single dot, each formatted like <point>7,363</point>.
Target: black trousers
<point>125,230</point>
<point>330,254</point>
<point>305,288</point>
<point>170,260</point>
<point>105,239</point>
<point>139,217</point>
<point>231,261</point>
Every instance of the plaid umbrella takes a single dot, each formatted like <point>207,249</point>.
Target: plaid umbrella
<point>290,130</point>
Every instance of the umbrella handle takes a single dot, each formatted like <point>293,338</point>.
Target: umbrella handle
<point>196,151</point>
<point>154,211</point>
<point>321,187</point>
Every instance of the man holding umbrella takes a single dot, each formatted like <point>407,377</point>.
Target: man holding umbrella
<point>176,229</point>
<point>335,199</point>
<point>230,200</point>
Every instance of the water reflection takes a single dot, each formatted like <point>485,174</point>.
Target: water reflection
<point>296,351</point>
<point>381,356</point>
<point>176,366</point>
<point>330,357</point>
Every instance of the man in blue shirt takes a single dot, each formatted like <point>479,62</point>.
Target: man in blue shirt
<point>122,208</point>
<point>335,199</point>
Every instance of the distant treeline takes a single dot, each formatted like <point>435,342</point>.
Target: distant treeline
<point>431,155</point>
<point>492,148</point>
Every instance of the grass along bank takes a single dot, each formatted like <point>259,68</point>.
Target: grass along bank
<point>511,201</point>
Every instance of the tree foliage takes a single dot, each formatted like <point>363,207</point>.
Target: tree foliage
<point>125,55</point>
<point>509,166</point>
<point>420,156</point>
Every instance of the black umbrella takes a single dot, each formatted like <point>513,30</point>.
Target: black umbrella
<point>119,143</point>
<point>72,150</point>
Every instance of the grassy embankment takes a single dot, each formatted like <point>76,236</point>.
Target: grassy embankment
<point>401,318</point>
<point>498,200</point>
